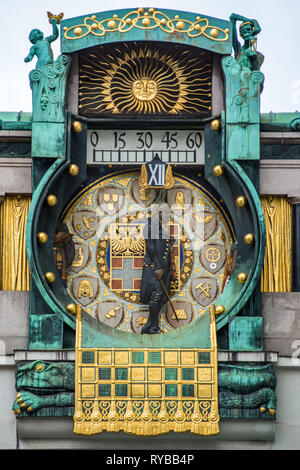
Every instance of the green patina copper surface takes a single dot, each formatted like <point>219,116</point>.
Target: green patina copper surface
<point>53,179</point>
<point>48,82</point>
<point>243,89</point>
<point>48,86</point>
<point>47,389</point>
<point>41,46</point>
<point>245,390</point>
<point>235,182</point>
<point>194,335</point>
<point>15,121</point>
<point>143,24</point>
<point>246,54</point>
<point>245,334</point>
<point>278,118</point>
<point>52,135</point>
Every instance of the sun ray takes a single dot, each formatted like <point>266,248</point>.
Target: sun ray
<point>152,80</point>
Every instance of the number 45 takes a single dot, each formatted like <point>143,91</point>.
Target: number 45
<point>169,140</point>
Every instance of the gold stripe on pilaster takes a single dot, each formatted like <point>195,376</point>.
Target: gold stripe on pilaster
<point>277,269</point>
<point>15,274</point>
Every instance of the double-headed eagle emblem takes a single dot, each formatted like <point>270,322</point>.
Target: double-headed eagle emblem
<point>128,241</point>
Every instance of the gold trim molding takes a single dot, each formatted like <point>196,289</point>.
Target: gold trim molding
<point>277,270</point>
<point>150,19</point>
<point>15,274</point>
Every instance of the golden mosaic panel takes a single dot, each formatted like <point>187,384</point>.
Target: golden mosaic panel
<point>146,391</point>
<point>154,373</point>
<point>187,357</point>
<point>171,357</point>
<point>88,373</point>
<point>154,391</point>
<point>204,391</point>
<point>105,357</point>
<point>137,391</point>
<point>204,373</point>
<point>88,391</point>
<point>121,357</point>
<point>138,374</point>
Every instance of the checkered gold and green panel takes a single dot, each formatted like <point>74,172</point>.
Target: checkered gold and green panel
<point>146,391</point>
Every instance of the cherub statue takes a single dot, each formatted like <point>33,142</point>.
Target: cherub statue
<point>41,47</point>
<point>246,55</point>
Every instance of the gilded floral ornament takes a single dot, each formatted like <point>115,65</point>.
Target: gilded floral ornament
<point>150,19</point>
<point>48,90</point>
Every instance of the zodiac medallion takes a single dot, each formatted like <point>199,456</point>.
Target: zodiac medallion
<point>139,319</point>
<point>143,196</point>
<point>180,199</point>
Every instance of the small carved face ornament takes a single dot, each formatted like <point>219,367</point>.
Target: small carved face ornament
<point>44,102</point>
<point>85,289</point>
<point>144,89</point>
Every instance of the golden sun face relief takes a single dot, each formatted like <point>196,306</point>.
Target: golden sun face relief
<point>144,89</point>
<point>137,79</point>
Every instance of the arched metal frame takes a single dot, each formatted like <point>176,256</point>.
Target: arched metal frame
<point>233,182</point>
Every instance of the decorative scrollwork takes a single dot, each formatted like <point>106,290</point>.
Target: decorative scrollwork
<point>104,406</point>
<point>35,75</point>
<point>188,409</point>
<point>155,407</point>
<point>150,19</point>
<point>87,407</point>
<point>79,417</point>
<point>121,407</point>
<point>205,409</point>
<point>96,416</point>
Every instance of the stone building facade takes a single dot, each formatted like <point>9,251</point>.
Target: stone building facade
<point>50,160</point>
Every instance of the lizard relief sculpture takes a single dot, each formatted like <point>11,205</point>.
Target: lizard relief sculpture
<point>48,389</point>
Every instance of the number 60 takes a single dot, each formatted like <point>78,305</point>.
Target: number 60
<point>194,139</point>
